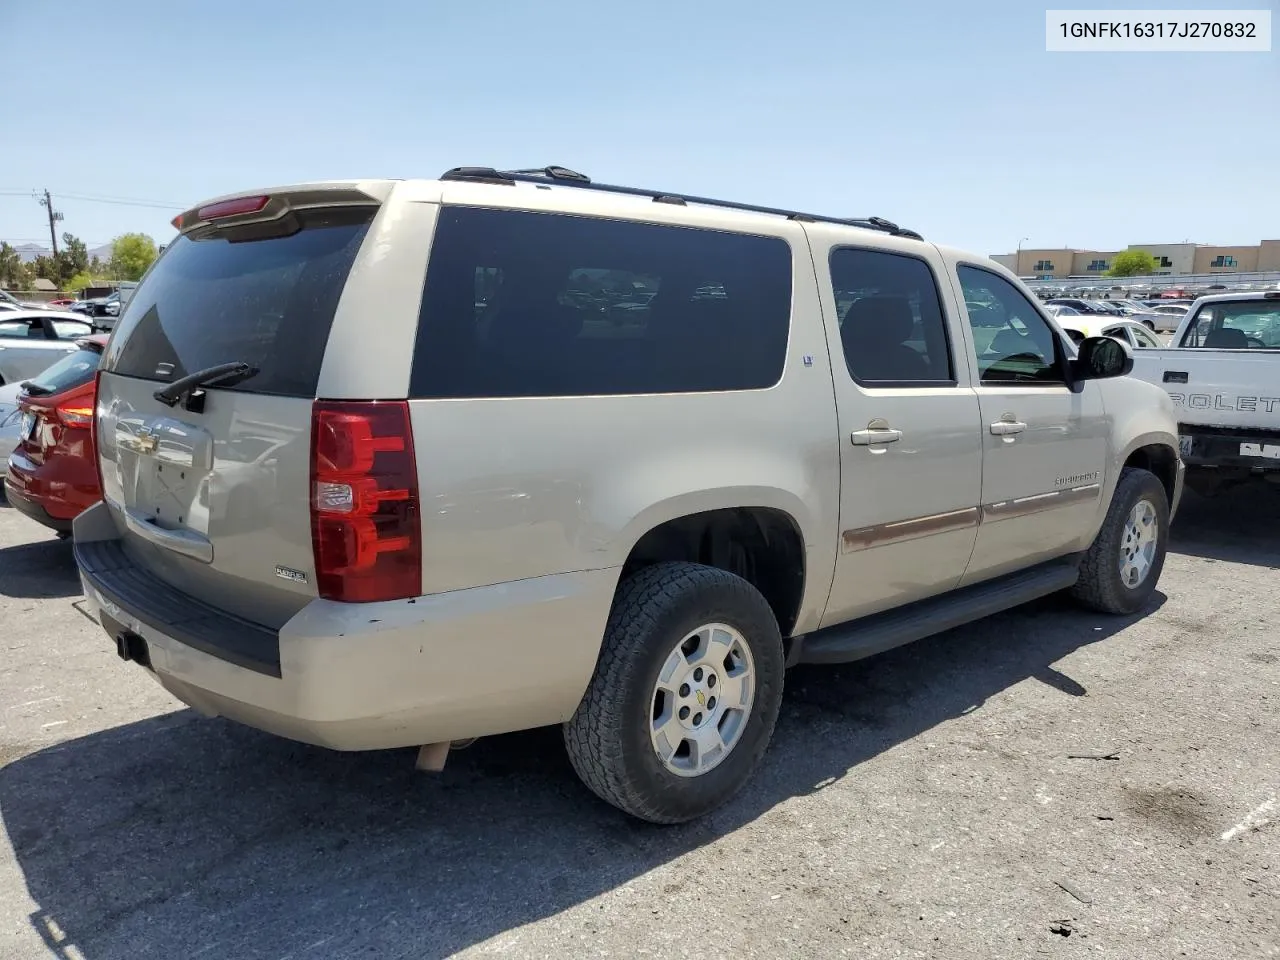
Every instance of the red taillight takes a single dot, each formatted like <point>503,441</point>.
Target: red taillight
<point>75,416</point>
<point>232,208</point>
<point>365,528</point>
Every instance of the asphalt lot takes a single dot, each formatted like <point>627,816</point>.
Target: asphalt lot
<point>943,800</point>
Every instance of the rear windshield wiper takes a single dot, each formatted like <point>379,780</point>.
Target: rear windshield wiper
<point>223,374</point>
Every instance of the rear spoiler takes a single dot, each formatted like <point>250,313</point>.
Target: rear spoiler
<point>269,206</point>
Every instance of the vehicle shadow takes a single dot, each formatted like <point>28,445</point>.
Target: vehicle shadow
<point>42,570</point>
<point>1240,525</point>
<point>181,836</point>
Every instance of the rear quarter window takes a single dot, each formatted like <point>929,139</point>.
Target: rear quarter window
<point>520,304</point>
<point>267,302</point>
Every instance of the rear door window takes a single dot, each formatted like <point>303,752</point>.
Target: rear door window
<point>891,323</point>
<point>520,304</point>
<point>267,302</point>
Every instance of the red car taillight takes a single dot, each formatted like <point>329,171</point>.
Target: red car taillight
<point>365,527</point>
<point>75,415</point>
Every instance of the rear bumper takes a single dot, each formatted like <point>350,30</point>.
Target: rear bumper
<point>57,489</point>
<point>442,667</point>
<point>1254,451</point>
<point>32,508</point>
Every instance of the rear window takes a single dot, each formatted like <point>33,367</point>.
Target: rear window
<point>523,304</point>
<point>1243,325</point>
<point>267,302</point>
<point>73,370</point>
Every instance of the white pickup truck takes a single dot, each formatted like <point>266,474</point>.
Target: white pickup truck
<point>1222,370</point>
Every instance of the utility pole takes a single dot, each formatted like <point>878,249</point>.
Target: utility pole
<point>47,202</point>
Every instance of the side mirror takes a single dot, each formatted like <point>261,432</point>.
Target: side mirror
<point>1100,358</point>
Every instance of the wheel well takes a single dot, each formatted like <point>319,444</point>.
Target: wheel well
<point>1161,461</point>
<point>759,544</point>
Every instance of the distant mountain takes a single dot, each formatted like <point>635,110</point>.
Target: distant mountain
<point>28,252</point>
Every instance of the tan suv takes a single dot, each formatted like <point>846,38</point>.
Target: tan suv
<point>405,463</point>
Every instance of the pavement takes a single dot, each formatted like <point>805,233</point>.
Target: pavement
<point>1045,783</point>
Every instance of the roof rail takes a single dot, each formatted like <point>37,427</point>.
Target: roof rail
<point>571,178</point>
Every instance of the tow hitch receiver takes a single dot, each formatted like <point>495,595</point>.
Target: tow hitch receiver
<point>131,646</point>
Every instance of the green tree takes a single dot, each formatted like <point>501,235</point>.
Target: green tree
<point>1132,263</point>
<point>73,258</point>
<point>13,272</point>
<point>85,278</point>
<point>49,268</point>
<point>131,254</point>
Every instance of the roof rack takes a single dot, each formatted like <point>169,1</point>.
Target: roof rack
<point>571,178</point>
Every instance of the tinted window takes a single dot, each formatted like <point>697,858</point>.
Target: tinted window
<point>537,304</point>
<point>268,302</point>
<point>1012,340</point>
<point>891,323</point>
<point>1243,325</point>
<point>73,370</point>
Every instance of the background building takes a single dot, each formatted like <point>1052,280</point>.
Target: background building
<point>1172,259</point>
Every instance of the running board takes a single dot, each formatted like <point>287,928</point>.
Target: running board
<point>883,631</point>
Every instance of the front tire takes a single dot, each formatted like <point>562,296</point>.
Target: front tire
<point>1123,565</point>
<point>685,694</point>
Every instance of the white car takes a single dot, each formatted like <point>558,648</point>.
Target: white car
<point>1167,316</point>
<point>10,423</point>
<point>31,340</point>
<point>1135,333</point>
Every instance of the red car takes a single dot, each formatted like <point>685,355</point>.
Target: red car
<point>53,473</point>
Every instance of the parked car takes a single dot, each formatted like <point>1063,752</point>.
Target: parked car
<point>104,310</point>
<point>9,302</point>
<point>31,340</point>
<point>52,474</point>
<point>1223,373</point>
<point>1060,310</point>
<point>1167,316</point>
<point>1080,306</point>
<point>454,529</point>
<point>1135,334</point>
<point>10,423</point>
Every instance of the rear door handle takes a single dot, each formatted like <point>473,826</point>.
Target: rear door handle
<point>1005,428</point>
<point>875,433</point>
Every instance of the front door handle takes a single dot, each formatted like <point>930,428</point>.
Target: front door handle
<point>878,431</point>
<point>1005,428</point>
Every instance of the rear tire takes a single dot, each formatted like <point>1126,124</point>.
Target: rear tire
<point>1150,325</point>
<point>1123,565</point>
<point>679,635</point>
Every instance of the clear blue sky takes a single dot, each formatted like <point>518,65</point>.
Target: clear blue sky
<point>950,118</point>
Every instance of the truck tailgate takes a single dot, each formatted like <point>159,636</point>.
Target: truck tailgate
<point>1217,388</point>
